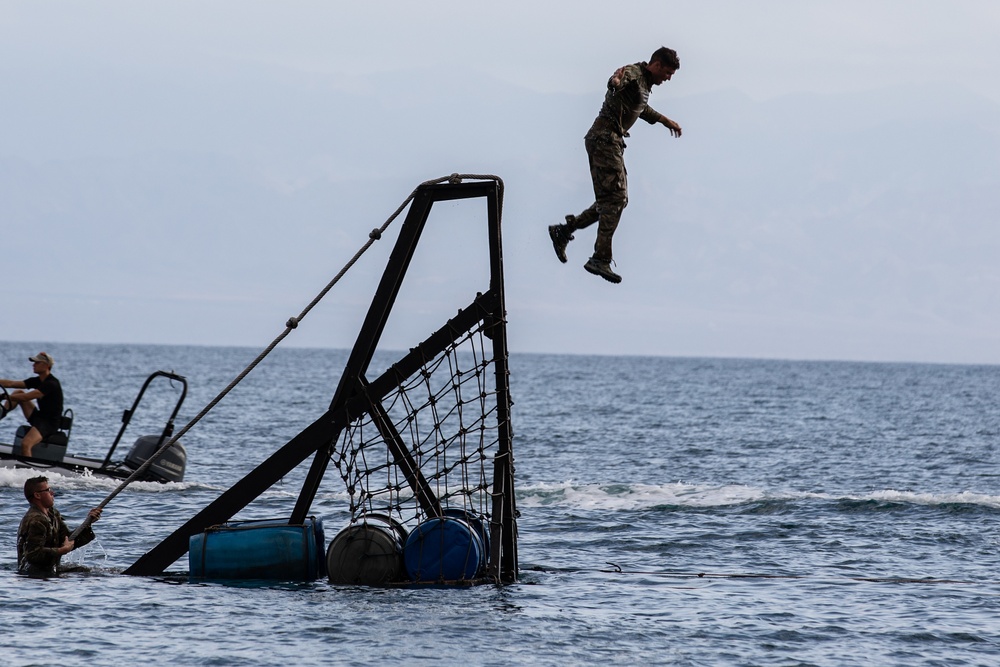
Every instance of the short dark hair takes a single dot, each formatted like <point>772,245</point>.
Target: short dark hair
<point>666,56</point>
<point>31,486</point>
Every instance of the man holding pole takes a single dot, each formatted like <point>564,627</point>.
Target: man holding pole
<point>43,538</point>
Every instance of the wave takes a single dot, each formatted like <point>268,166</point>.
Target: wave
<point>646,496</point>
<point>914,498</point>
<point>572,494</point>
<point>634,496</point>
<point>16,477</point>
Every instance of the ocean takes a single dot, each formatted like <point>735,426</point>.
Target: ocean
<point>673,511</point>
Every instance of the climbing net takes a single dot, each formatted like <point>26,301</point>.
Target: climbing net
<point>445,417</point>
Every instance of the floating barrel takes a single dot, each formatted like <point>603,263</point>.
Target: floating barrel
<point>368,552</point>
<point>444,548</point>
<point>263,549</point>
<point>478,524</point>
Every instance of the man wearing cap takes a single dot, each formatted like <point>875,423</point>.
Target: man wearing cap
<point>45,389</point>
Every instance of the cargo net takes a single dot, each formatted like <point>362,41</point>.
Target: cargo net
<point>446,417</point>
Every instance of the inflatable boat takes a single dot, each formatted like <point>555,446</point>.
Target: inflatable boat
<point>51,455</point>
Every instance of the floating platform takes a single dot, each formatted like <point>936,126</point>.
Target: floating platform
<point>412,440</point>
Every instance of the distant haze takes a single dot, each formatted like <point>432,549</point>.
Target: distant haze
<point>194,173</point>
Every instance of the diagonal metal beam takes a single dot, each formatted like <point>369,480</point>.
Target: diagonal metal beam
<point>370,334</point>
<point>324,430</point>
<point>480,309</point>
<point>404,460</point>
<point>356,402</point>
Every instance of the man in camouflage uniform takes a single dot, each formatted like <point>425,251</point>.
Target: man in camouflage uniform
<point>42,537</point>
<point>625,102</point>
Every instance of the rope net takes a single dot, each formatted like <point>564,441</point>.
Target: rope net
<point>445,415</point>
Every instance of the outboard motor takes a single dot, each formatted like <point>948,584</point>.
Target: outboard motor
<point>168,466</point>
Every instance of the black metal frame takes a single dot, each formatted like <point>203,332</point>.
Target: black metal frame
<point>168,428</point>
<point>356,396</point>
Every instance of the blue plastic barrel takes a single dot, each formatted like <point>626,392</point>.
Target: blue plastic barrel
<point>479,524</point>
<point>443,549</point>
<point>269,549</point>
<point>367,553</point>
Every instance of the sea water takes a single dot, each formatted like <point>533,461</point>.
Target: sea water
<point>673,511</point>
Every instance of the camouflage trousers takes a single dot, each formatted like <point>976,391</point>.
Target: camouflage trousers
<point>607,170</point>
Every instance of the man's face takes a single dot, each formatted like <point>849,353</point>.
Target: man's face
<point>660,72</point>
<point>46,496</point>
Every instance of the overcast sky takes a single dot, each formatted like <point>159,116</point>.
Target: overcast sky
<point>763,48</point>
<point>61,61</point>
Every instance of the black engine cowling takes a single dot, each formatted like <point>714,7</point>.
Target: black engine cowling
<point>168,466</point>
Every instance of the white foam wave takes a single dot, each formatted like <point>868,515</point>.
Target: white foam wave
<point>635,496</point>
<point>644,496</point>
<point>16,477</point>
<point>959,497</point>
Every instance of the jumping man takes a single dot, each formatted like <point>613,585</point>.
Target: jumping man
<point>624,103</point>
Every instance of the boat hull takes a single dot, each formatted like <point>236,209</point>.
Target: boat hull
<point>70,464</point>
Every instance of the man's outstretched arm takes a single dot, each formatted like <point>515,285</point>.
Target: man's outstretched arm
<point>674,128</point>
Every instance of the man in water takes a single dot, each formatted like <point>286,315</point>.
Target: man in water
<point>42,537</point>
<point>625,102</point>
<point>45,388</point>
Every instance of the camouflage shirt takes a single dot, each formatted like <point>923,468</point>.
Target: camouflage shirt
<point>627,102</point>
<point>39,538</point>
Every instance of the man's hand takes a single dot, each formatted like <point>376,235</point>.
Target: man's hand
<point>95,514</point>
<point>674,128</point>
<point>67,546</point>
<point>616,78</point>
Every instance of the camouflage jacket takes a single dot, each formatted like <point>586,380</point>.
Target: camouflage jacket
<point>39,538</point>
<point>626,103</point>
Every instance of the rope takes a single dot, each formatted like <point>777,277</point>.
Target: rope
<point>290,325</point>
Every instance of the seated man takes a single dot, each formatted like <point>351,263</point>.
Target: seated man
<point>45,389</point>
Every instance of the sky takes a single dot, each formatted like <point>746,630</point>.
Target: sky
<point>765,48</point>
<point>193,173</point>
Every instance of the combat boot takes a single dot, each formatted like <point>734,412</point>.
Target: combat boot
<point>602,268</point>
<point>561,236</point>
